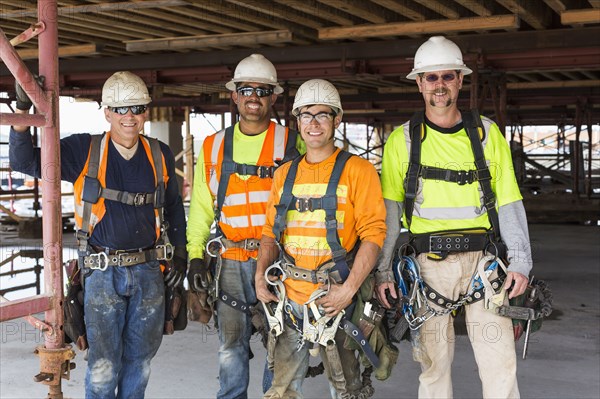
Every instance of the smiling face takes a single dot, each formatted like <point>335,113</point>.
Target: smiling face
<point>318,135</point>
<point>440,89</point>
<point>125,129</point>
<point>254,110</point>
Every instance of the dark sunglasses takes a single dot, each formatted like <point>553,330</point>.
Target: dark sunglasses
<point>135,109</point>
<point>447,77</point>
<point>260,91</point>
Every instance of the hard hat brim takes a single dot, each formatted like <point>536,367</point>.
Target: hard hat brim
<point>125,103</point>
<point>442,67</point>
<point>231,85</point>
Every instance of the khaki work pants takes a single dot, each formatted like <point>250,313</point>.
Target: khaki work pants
<point>491,336</point>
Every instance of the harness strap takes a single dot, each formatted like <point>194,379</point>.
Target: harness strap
<point>411,182</point>
<point>447,303</point>
<point>225,175</point>
<point>101,260</point>
<point>474,127</point>
<point>235,303</point>
<point>328,203</point>
<point>357,336</point>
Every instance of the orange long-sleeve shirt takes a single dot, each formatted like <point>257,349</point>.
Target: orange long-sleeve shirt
<point>360,214</point>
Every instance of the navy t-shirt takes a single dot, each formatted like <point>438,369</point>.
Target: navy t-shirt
<point>123,226</point>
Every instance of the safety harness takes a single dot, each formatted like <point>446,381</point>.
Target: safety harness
<point>314,327</point>
<point>217,245</point>
<point>101,258</point>
<point>439,244</point>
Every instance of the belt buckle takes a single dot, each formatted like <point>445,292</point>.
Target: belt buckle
<point>432,238</point>
<point>167,252</point>
<point>101,257</point>
<point>249,247</point>
<point>463,178</point>
<point>139,199</point>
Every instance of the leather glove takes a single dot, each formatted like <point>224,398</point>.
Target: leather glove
<point>198,278</point>
<point>23,100</point>
<point>178,267</point>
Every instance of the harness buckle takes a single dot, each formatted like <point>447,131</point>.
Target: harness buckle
<point>167,253</point>
<point>304,205</point>
<point>139,199</point>
<point>98,261</point>
<point>265,172</point>
<point>463,177</point>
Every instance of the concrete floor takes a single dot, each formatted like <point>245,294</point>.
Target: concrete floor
<point>563,360</point>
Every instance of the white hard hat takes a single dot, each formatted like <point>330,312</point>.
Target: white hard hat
<point>124,89</point>
<point>255,68</point>
<point>317,92</point>
<point>438,54</point>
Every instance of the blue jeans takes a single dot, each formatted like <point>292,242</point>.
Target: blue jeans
<point>235,329</point>
<point>124,317</point>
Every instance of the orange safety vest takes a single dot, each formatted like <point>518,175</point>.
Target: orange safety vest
<point>244,208</point>
<point>98,209</point>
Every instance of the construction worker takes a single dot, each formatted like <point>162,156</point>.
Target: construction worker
<point>232,182</point>
<point>449,174</point>
<point>126,193</point>
<point>326,225</point>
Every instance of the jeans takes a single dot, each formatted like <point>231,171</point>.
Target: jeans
<point>124,317</point>
<point>235,328</point>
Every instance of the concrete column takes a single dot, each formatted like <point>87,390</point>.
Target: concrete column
<point>166,125</point>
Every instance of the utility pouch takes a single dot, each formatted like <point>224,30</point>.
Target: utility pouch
<point>528,302</point>
<point>175,310</point>
<point>74,323</point>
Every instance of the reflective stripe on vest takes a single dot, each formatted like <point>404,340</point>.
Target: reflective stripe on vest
<point>244,207</point>
<point>98,209</point>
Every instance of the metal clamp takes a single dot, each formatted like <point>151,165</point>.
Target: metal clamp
<point>168,251</point>
<point>275,266</point>
<point>98,261</point>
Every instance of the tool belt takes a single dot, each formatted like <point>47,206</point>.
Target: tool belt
<point>450,242</point>
<point>106,257</point>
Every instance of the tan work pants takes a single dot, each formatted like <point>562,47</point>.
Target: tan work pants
<point>491,336</point>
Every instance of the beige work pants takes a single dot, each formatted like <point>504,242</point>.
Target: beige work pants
<point>491,336</point>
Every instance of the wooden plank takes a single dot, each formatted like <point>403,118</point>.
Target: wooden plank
<point>556,5</point>
<point>574,17</point>
<point>476,7</point>
<point>553,84</point>
<point>203,41</point>
<point>95,8</point>
<point>401,9</point>
<point>439,8</point>
<point>508,22</point>
<point>358,9</point>
<point>65,51</point>
<point>310,7</point>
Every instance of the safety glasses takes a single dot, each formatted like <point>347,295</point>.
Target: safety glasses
<point>446,77</point>
<point>260,91</point>
<point>135,109</point>
<point>322,117</point>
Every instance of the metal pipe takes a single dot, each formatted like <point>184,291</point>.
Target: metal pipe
<point>50,161</point>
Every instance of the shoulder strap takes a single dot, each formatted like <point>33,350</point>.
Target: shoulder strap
<point>475,131</point>
<point>411,182</point>
<point>291,152</point>
<point>227,169</point>
<point>285,202</point>
<point>91,184</point>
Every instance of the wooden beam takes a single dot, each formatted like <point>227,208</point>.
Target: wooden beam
<point>358,9</point>
<point>532,17</point>
<point>401,9</point>
<point>574,17</point>
<point>65,51</point>
<point>439,8</point>
<point>310,7</point>
<point>427,27</point>
<point>203,41</point>
<point>475,7</point>
<point>95,8</point>
<point>556,5</point>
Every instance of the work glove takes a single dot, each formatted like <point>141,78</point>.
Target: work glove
<point>178,267</point>
<point>23,100</point>
<point>198,277</point>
